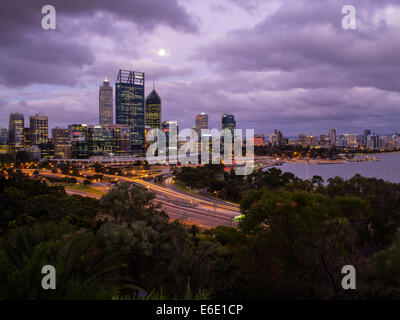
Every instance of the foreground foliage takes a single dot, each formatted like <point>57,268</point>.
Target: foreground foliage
<point>292,244</point>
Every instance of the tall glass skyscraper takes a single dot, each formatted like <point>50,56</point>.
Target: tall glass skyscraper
<point>16,131</point>
<point>153,110</point>
<point>129,106</point>
<point>106,103</point>
<point>228,122</point>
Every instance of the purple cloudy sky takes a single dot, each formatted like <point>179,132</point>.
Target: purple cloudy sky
<point>284,64</point>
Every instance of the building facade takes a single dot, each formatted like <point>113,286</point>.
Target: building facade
<point>332,137</point>
<point>106,103</point>
<point>39,127</point>
<point>153,110</point>
<point>62,147</point>
<point>130,106</point>
<point>201,122</point>
<point>228,122</point>
<point>16,131</point>
<point>27,138</point>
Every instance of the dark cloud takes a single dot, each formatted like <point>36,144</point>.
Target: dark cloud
<point>296,69</point>
<point>302,39</point>
<point>30,55</point>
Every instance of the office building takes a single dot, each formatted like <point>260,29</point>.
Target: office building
<point>78,140</point>
<point>366,133</point>
<point>228,122</point>
<point>47,149</point>
<point>27,137</point>
<point>332,136</point>
<point>121,139</point>
<point>62,147</point>
<point>100,140</point>
<point>351,140</point>
<point>3,136</point>
<point>153,110</point>
<point>16,131</point>
<point>39,127</point>
<point>106,103</point>
<point>129,105</point>
<point>93,141</point>
<point>373,141</point>
<point>170,129</point>
<point>201,122</point>
<point>3,140</point>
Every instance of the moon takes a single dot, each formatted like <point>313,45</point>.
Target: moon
<point>162,52</point>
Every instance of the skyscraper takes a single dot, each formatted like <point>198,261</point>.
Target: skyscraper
<point>39,129</point>
<point>78,140</point>
<point>170,129</point>
<point>201,122</point>
<point>366,133</point>
<point>3,140</point>
<point>62,147</point>
<point>153,110</point>
<point>3,136</point>
<point>332,136</point>
<point>27,137</point>
<point>106,103</point>
<point>129,105</point>
<point>16,131</point>
<point>228,122</point>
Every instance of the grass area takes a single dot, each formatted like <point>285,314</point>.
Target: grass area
<point>81,187</point>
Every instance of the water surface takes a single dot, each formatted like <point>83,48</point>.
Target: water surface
<point>387,168</point>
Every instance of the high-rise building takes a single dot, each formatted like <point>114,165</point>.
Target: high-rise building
<point>16,131</point>
<point>366,133</point>
<point>47,149</point>
<point>106,103</point>
<point>373,141</point>
<point>78,140</point>
<point>201,122</point>
<point>153,110</point>
<point>332,136</point>
<point>3,136</point>
<point>170,129</point>
<point>276,138</point>
<point>88,141</point>
<point>27,137</point>
<point>228,122</point>
<point>3,140</point>
<point>39,127</point>
<point>351,140</point>
<point>121,139</point>
<point>129,105</point>
<point>62,147</point>
<point>100,140</point>
<point>324,141</point>
<point>302,140</point>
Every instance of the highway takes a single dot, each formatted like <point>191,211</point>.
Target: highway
<point>185,207</point>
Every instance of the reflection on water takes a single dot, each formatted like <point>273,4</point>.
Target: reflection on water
<point>387,168</point>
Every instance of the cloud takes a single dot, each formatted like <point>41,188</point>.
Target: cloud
<point>30,55</point>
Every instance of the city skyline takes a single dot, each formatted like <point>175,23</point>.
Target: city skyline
<point>313,76</point>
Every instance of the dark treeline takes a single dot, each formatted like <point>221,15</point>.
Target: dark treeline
<point>292,244</point>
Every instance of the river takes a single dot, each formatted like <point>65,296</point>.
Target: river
<point>387,168</point>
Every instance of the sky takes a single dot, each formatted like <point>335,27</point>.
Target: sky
<point>287,64</point>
